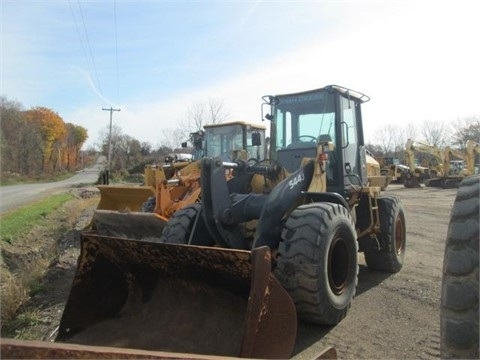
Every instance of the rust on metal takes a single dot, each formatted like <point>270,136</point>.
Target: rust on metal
<point>177,298</point>
<point>271,323</point>
<point>24,349</point>
<point>134,225</point>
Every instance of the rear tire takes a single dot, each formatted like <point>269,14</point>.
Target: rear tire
<point>459,298</point>
<point>392,238</point>
<point>179,228</point>
<point>317,261</point>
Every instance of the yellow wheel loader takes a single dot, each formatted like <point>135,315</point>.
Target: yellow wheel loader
<point>207,286</point>
<point>129,210</point>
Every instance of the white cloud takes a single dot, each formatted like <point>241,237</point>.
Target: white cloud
<point>416,60</point>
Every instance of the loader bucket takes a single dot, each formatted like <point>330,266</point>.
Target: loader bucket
<point>132,225</point>
<point>178,298</point>
<point>123,197</point>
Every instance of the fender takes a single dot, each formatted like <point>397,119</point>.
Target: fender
<point>280,200</point>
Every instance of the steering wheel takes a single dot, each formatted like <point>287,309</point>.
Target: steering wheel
<point>310,137</point>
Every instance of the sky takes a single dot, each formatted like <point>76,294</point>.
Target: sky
<point>417,60</point>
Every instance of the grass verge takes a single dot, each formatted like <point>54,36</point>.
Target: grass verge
<point>21,221</point>
<point>26,258</point>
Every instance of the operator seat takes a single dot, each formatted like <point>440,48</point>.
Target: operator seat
<point>324,138</point>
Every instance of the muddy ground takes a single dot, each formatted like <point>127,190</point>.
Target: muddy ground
<point>394,316</point>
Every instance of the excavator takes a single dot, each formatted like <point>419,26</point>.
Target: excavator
<point>456,170</point>
<point>421,174</point>
<point>443,172</point>
<point>212,286</point>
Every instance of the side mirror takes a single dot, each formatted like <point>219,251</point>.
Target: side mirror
<point>184,145</point>
<point>256,139</point>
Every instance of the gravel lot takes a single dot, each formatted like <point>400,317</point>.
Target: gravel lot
<point>394,316</point>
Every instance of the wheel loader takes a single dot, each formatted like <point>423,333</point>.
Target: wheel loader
<point>133,211</point>
<point>132,198</point>
<point>211,284</point>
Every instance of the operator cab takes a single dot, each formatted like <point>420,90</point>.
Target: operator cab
<point>234,140</point>
<point>331,114</point>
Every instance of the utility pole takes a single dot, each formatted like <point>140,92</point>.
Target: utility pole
<point>109,139</point>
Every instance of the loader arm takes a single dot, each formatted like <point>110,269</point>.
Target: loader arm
<point>223,211</point>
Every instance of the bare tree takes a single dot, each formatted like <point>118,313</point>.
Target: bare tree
<point>199,114</point>
<point>385,138</point>
<point>409,132</point>
<point>434,133</point>
<point>464,129</point>
<point>173,138</point>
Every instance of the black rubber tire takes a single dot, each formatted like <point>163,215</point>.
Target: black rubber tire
<point>391,256</point>
<point>317,261</point>
<point>460,291</point>
<point>179,228</point>
<point>149,205</point>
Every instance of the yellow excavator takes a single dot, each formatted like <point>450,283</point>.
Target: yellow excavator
<point>456,170</point>
<point>422,173</point>
<point>230,275</point>
<point>443,171</point>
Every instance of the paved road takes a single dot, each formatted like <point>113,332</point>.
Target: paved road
<point>16,195</point>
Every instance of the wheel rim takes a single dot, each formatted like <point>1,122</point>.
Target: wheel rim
<point>338,265</point>
<point>399,236</point>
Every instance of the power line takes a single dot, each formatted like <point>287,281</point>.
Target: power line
<point>89,47</point>
<point>79,36</point>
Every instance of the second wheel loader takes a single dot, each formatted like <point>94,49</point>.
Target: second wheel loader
<point>208,286</point>
<point>119,215</point>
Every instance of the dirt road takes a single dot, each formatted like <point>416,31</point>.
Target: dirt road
<point>394,316</point>
<point>12,196</point>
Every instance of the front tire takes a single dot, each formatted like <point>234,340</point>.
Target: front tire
<point>459,298</point>
<point>317,261</point>
<point>149,205</point>
<point>179,228</point>
<point>390,257</point>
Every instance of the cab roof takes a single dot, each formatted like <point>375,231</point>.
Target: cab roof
<point>237,122</point>
<point>337,88</point>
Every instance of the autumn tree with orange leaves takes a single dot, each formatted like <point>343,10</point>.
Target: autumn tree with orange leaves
<point>37,141</point>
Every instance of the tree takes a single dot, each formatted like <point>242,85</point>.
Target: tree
<point>467,128</point>
<point>434,133</point>
<point>53,132</point>
<point>115,139</point>
<point>12,128</point>
<point>76,137</point>
<point>384,137</point>
<point>173,138</point>
<point>202,113</point>
<point>36,141</point>
<point>145,148</point>
<point>126,151</point>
